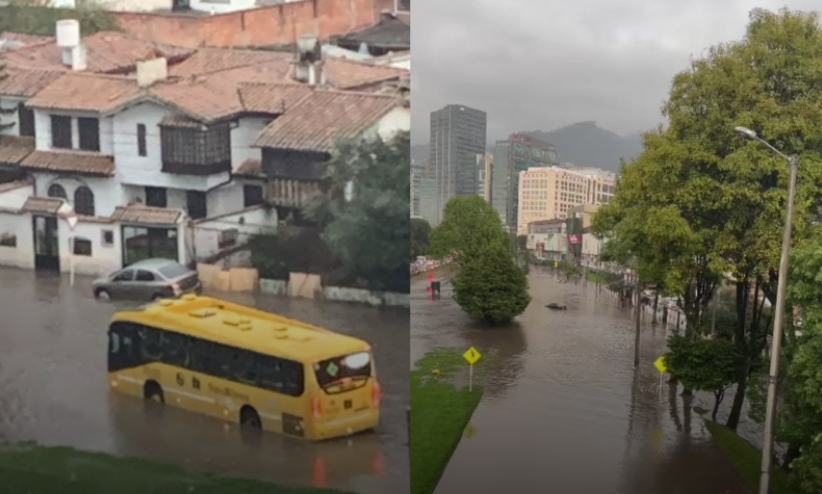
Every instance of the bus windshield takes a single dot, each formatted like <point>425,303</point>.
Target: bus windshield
<point>334,371</point>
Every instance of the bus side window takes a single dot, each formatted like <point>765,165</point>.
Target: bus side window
<point>175,349</point>
<point>150,343</point>
<point>114,340</point>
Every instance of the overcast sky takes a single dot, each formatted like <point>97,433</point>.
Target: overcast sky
<point>544,64</point>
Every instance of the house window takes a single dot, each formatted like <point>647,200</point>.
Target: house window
<point>8,240</point>
<point>194,149</point>
<point>89,130</point>
<point>25,120</point>
<point>60,132</point>
<point>141,140</point>
<point>227,238</point>
<point>107,238</point>
<point>84,201</point>
<point>57,190</point>
<point>82,246</point>
<point>156,197</point>
<point>196,204</point>
<point>252,195</point>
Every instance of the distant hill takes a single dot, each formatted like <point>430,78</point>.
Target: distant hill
<point>586,144</point>
<point>582,143</point>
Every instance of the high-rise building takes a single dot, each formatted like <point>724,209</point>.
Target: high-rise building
<point>511,157</point>
<point>416,176</point>
<point>549,193</point>
<point>429,207</point>
<point>457,137</point>
<point>485,162</point>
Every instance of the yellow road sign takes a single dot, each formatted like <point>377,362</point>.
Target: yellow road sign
<point>469,432</point>
<point>471,355</point>
<point>660,365</point>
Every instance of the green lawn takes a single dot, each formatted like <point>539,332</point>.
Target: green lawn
<point>61,470</point>
<point>440,413</point>
<point>747,458</point>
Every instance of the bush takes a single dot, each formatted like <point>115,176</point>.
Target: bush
<point>22,17</point>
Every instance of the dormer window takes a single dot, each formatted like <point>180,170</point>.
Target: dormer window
<point>89,131</point>
<point>60,132</point>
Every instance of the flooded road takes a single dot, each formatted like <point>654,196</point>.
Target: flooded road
<point>53,390</point>
<point>564,408</point>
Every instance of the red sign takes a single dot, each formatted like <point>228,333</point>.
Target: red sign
<point>518,138</point>
<point>575,239</point>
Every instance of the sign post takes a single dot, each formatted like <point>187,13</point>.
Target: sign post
<point>72,222</point>
<point>662,368</point>
<point>471,356</point>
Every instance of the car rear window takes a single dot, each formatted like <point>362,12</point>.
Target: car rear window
<point>173,270</point>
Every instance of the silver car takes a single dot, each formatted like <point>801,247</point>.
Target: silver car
<point>151,279</point>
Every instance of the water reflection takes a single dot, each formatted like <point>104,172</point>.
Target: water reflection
<point>53,390</point>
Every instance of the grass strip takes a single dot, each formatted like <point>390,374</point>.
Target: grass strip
<point>34,469</point>
<point>440,413</point>
<point>746,459</point>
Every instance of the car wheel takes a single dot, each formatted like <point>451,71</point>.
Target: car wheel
<point>102,294</point>
<point>156,297</point>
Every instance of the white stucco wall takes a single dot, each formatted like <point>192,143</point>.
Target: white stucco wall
<point>243,136</point>
<point>9,103</point>
<point>104,258</point>
<point>120,5</point>
<point>397,120</point>
<point>205,234</point>
<point>19,225</point>
<point>107,192</point>
<point>15,198</point>
<point>42,123</point>
<point>134,169</point>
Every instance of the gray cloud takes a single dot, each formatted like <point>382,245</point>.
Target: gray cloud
<point>543,64</point>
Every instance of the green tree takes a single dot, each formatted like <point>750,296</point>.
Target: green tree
<point>489,286</point>
<point>522,242</point>
<point>729,192</point>
<point>704,365</point>
<point>420,229</point>
<point>364,210</point>
<point>31,17</point>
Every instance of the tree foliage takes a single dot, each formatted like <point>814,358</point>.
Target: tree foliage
<point>718,200</point>
<point>32,17</point>
<point>364,210</point>
<point>489,286</point>
<point>420,229</point>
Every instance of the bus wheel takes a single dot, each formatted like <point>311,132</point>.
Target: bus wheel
<point>153,392</point>
<point>250,419</point>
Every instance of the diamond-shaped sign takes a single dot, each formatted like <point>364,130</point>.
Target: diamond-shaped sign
<point>471,355</point>
<point>660,365</point>
<point>72,221</point>
<point>332,369</point>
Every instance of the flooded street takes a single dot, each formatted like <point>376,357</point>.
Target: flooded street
<point>53,390</point>
<point>564,408</point>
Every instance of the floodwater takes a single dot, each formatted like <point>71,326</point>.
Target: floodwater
<point>53,390</point>
<point>564,408</point>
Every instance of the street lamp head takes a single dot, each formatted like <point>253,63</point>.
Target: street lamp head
<point>745,132</point>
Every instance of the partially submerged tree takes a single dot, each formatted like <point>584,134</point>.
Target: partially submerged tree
<point>489,285</point>
<point>420,229</point>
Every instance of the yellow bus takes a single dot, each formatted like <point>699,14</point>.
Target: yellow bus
<point>243,365</point>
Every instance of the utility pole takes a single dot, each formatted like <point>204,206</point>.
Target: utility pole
<point>638,321</point>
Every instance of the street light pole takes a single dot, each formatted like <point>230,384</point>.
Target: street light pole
<point>779,315</point>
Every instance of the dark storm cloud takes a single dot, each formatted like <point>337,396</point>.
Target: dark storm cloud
<point>543,64</point>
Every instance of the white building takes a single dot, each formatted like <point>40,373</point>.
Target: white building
<point>180,160</point>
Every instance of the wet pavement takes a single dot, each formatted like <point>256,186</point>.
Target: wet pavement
<point>564,408</point>
<point>53,391</point>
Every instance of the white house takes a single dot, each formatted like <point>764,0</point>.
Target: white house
<point>182,162</point>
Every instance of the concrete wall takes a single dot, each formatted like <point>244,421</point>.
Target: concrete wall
<point>19,226</point>
<point>205,234</point>
<point>242,138</point>
<point>15,198</point>
<point>340,294</point>
<point>104,258</point>
<point>264,26</point>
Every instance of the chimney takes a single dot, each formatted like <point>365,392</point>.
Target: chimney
<point>151,71</point>
<point>68,39</point>
<point>309,62</point>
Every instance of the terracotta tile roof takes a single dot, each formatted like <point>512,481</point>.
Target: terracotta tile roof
<point>249,168</point>
<point>349,74</point>
<point>323,117</point>
<point>86,92</point>
<point>271,98</point>
<point>17,184</point>
<point>45,205</point>
<point>271,67</point>
<point>180,121</point>
<point>14,148</point>
<point>70,161</point>
<point>25,83</point>
<point>146,215</point>
<point>106,52</point>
